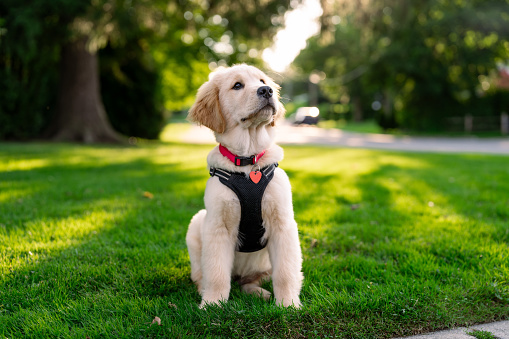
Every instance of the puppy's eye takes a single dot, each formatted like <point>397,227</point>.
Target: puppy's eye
<point>237,86</point>
<point>263,82</point>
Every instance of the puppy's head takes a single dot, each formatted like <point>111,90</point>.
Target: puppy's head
<point>239,96</point>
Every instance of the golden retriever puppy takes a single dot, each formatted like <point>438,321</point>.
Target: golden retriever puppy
<point>247,230</point>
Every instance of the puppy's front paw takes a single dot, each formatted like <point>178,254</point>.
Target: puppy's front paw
<point>295,302</point>
<point>204,303</point>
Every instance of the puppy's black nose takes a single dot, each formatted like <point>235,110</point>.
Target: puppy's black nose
<point>264,91</point>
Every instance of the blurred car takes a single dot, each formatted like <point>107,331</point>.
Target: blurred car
<point>307,116</point>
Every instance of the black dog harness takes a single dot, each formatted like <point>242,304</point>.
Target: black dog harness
<point>250,195</point>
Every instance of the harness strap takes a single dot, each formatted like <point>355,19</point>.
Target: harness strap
<point>251,229</point>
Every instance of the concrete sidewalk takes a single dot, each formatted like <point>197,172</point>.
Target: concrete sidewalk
<point>288,134</point>
<point>499,330</point>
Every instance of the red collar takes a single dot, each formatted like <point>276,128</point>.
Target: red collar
<point>240,161</point>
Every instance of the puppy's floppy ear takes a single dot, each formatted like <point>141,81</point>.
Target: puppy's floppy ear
<point>206,110</point>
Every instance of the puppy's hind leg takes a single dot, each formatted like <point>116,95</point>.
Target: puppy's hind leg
<point>250,286</point>
<point>194,247</point>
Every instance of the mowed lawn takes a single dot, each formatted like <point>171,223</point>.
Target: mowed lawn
<point>92,243</point>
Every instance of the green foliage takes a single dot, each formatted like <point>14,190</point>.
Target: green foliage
<point>129,86</point>
<point>26,101</point>
<point>159,53</point>
<point>450,49</point>
<point>394,243</point>
<point>180,72</point>
<point>422,60</point>
<point>29,64</point>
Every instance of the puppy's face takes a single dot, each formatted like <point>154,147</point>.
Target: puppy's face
<point>238,97</point>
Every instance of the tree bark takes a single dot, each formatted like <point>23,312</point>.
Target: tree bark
<point>80,112</point>
<point>357,109</point>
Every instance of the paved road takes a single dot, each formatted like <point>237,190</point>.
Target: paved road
<point>499,330</point>
<point>291,135</point>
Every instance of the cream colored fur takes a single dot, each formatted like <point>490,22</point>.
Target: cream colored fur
<point>243,123</point>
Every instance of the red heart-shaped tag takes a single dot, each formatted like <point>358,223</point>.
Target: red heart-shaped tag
<point>255,176</point>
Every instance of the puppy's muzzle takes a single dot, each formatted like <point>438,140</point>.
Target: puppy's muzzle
<point>265,92</point>
<point>266,101</point>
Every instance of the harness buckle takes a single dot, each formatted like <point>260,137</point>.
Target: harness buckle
<point>212,171</point>
<point>243,161</point>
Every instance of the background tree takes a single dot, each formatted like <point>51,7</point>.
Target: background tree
<point>436,61</point>
<point>46,43</point>
<point>28,58</point>
<point>420,61</point>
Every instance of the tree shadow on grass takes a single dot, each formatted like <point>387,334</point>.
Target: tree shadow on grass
<point>95,231</point>
<point>129,266</point>
<point>379,266</point>
<point>407,246</point>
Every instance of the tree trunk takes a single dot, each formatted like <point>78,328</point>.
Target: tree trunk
<point>357,108</point>
<point>80,112</point>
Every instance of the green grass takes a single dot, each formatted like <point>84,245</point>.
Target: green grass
<point>173,132</point>
<point>371,126</point>
<point>368,126</point>
<point>482,334</point>
<point>393,243</point>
